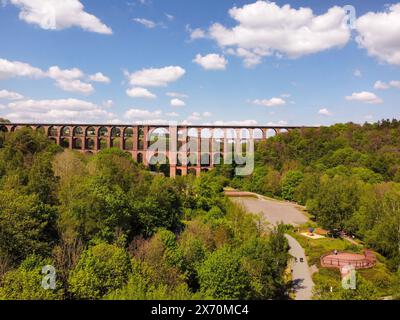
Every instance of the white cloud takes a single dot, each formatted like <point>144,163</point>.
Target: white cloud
<point>273,102</point>
<point>379,34</point>
<point>140,93</point>
<point>236,123</point>
<point>170,17</point>
<point>197,34</point>
<point>324,112</point>
<point>68,74</point>
<point>207,114</point>
<point>10,95</point>
<point>366,97</point>
<point>57,111</point>
<point>177,103</point>
<point>172,114</point>
<point>278,124</point>
<point>145,22</point>
<point>140,114</point>
<point>57,15</point>
<point>99,77</point>
<point>66,79</point>
<point>176,95</point>
<point>380,85</point>
<point>10,69</point>
<point>395,84</point>
<point>211,61</point>
<point>195,116</point>
<point>264,28</point>
<point>154,77</point>
<point>75,86</point>
<point>357,73</point>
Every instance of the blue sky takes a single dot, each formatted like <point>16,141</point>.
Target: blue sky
<point>306,69</point>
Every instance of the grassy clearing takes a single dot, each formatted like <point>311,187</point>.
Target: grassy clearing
<point>379,277</point>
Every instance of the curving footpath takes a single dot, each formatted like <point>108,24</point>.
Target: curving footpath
<point>274,212</point>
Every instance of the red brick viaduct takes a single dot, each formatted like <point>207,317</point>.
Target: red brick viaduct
<point>212,143</point>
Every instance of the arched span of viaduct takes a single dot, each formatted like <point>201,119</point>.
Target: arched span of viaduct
<point>211,143</point>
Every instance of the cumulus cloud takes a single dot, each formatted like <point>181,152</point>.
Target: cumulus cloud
<point>75,86</point>
<point>264,28</point>
<point>140,114</point>
<point>366,97</point>
<point>57,111</point>
<point>197,34</point>
<point>380,85</point>
<point>211,61</point>
<point>177,103</point>
<point>379,34</point>
<point>137,92</point>
<point>66,79</point>
<point>10,95</point>
<point>99,77</point>
<point>10,69</point>
<point>273,102</point>
<point>155,77</point>
<point>57,15</point>
<point>324,112</point>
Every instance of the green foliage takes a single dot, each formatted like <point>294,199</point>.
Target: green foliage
<point>290,181</point>
<point>222,275</point>
<point>25,283</point>
<point>101,269</point>
<point>26,225</point>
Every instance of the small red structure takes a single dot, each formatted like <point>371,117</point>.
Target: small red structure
<point>341,259</point>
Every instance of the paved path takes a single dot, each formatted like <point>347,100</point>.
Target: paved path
<point>275,212</point>
<point>301,274</point>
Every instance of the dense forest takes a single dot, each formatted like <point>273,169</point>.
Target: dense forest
<point>113,230</point>
<point>347,176</point>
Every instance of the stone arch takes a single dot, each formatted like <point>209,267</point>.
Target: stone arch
<point>160,167</point>
<point>77,143</point>
<point>103,143</point>
<point>90,131</point>
<point>218,140</point>
<point>53,131</point>
<point>157,134</point>
<point>103,132</point>
<point>3,128</point>
<point>218,158</point>
<point>116,138</point>
<point>90,144</point>
<point>140,157</point>
<point>205,160</point>
<point>271,133</point>
<point>128,137</point>
<point>65,131</point>
<point>192,171</point>
<point>77,132</point>
<point>64,142</point>
<point>192,132</point>
<point>141,138</point>
<point>40,129</point>
<point>258,134</point>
